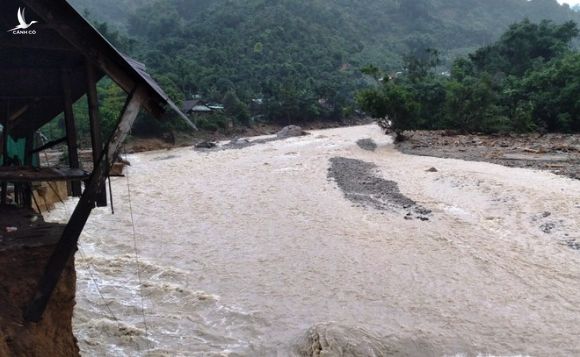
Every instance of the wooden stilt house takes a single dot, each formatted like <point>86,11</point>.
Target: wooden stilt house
<point>50,57</point>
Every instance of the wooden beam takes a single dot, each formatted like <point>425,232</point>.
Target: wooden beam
<point>28,161</point>
<point>4,184</point>
<point>71,131</point>
<point>18,113</point>
<point>95,124</point>
<point>61,17</point>
<point>54,43</point>
<point>68,242</point>
<point>49,145</point>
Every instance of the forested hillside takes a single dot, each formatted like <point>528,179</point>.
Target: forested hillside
<point>300,58</point>
<point>529,80</point>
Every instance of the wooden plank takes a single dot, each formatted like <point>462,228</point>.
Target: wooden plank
<point>71,131</point>
<point>95,124</point>
<point>68,242</point>
<point>30,174</point>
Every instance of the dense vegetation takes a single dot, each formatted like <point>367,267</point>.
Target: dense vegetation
<point>300,59</point>
<point>529,80</point>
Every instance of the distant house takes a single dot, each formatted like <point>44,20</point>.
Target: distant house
<point>198,106</point>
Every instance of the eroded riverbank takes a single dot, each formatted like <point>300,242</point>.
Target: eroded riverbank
<point>243,251</point>
<point>556,153</point>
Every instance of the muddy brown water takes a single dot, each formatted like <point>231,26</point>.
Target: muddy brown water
<point>243,251</point>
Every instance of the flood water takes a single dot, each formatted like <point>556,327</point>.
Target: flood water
<point>241,251</point>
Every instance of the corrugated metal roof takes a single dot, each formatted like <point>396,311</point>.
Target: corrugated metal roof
<point>31,67</point>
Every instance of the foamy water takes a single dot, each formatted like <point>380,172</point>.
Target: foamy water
<point>241,251</point>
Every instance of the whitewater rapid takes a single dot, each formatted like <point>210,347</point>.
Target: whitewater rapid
<point>241,251</point>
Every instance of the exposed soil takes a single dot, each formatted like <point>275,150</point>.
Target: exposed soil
<point>557,153</point>
<point>23,257</point>
<point>361,184</point>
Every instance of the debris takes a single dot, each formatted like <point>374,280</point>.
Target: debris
<point>117,169</point>
<point>206,145</point>
<point>361,184</point>
<point>290,131</point>
<point>331,339</point>
<point>168,157</point>
<point>239,141</point>
<point>432,170</point>
<point>123,161</point>
<point>547,227</point>
<point>558,153</point>
<point>533,151</point>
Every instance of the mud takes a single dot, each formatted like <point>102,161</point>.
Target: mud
<point>241,252</point>
<point>360,183</point>
<point>557,153</point>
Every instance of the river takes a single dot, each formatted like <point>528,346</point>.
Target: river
<point>241,251</point>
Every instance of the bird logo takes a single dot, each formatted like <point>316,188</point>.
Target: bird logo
<point>22,20</point>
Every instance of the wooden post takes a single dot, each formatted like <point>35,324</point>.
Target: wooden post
<point>4,193</point>
<point>95,124</point>
<point>28,161</point>
<point>71,131</point>
<point>68,242</point>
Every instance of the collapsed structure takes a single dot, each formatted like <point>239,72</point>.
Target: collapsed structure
<point>50,57</point>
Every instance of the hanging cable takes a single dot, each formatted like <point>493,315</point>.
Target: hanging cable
<point>111,195</point>
<point>90,269</point>
<point>137,261</point>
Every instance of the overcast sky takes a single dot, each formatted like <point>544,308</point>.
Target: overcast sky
<point>571,2</point>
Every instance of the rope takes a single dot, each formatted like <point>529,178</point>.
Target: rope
<point>137,256</point>
<point>94,280</point>
<point>91,269</point>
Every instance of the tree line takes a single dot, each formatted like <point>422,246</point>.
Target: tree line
<point>528,80</point>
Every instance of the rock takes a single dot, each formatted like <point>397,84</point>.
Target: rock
<point>206,145</point>
<point>432,170</point>
<point>168,137</point>
<point>367,144</point>
<point>240,141</point>
<point>331,339</point>
<point>548,227</point>
<point>334,340</point>
<point>290,131</point>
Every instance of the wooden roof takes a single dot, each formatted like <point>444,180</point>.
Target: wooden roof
<point>32,65</point>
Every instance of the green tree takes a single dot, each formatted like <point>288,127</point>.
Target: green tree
<point>392,102</point>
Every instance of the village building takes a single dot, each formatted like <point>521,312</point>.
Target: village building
<point>50,58</point>
<point>199,107</point>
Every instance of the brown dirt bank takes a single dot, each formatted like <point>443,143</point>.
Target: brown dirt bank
<point>557,153</point>
<point>22,261</point>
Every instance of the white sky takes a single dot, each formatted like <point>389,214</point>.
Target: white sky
<point>571,2</point>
